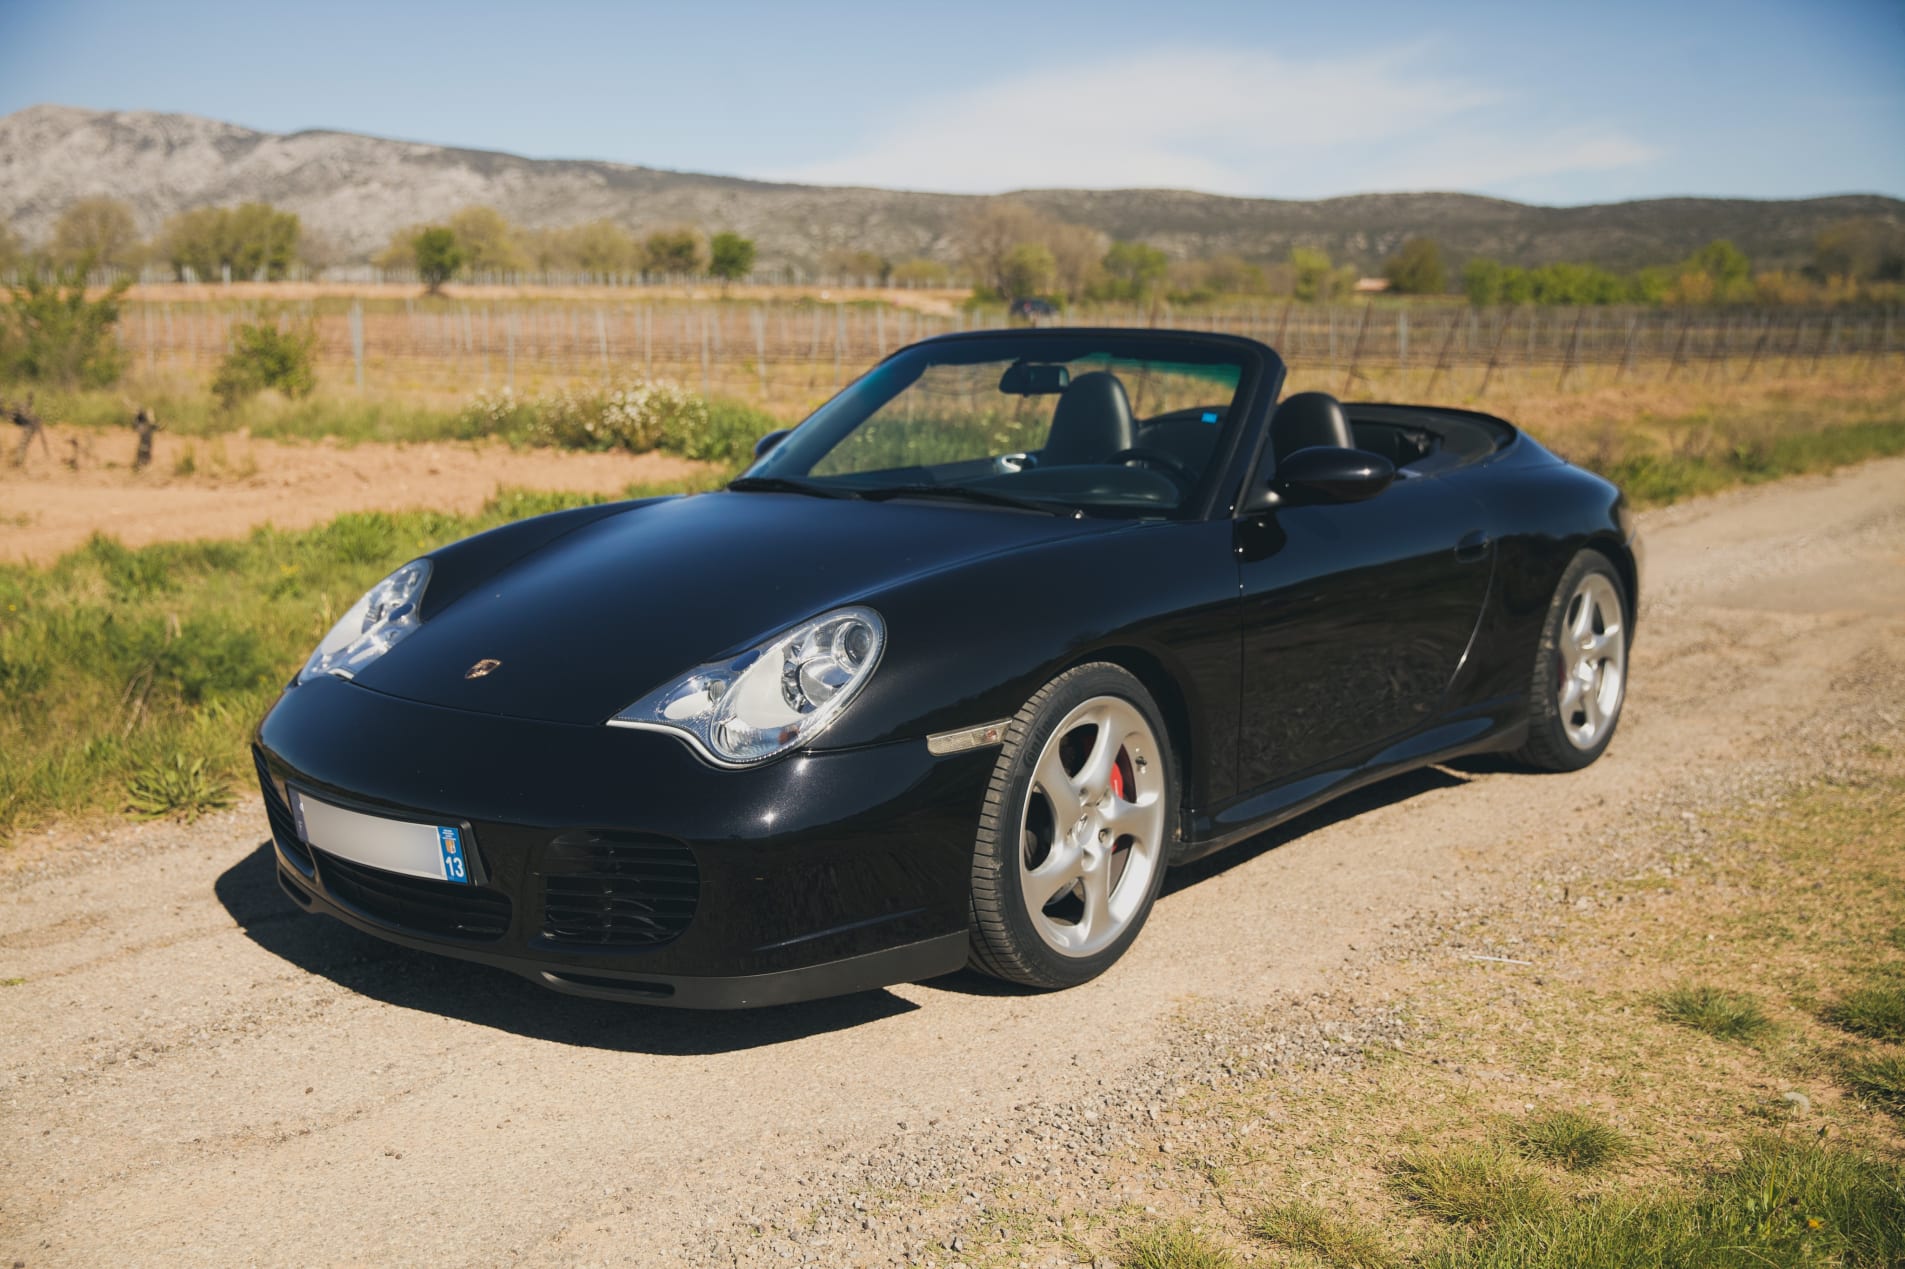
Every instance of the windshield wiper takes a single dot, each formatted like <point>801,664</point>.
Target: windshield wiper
<point>963,493</point>
<point>780,484</point>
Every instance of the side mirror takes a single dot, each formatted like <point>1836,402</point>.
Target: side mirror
<point>770,441</point>
<point>1323,473</point>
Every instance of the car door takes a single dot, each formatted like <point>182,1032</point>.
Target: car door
<point>1355,617</point>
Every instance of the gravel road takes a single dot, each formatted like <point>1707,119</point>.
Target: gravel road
<point>193,1070</point>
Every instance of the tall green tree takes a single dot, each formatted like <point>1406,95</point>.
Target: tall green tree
<point>730,256</point>
<point>1417,268</point>
<point>1315,277</point>
<point>673,252</point>
<point>252,240</point>
<point>489,243</point>
<point>438,256</point>
<point>99,230</point>
<point>856,264</point>
<point>1136,271</point>
<point>604,249</point>
<point>1725,263</point>
<point>1028,271</point>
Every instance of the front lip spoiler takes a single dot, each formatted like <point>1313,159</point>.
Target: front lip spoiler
<point>910,962</point>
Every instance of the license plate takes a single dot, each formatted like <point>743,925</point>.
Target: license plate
<point>437,851</point>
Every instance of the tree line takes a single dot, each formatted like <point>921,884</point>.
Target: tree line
<point>480,242</point>
<point>1013,252</point>
<point>1004,249</point>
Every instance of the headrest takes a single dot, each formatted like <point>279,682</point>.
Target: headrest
<point>1091,422</point>
<point>1308,419</point>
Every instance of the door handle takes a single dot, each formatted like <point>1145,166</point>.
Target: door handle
<point>1473,548</point>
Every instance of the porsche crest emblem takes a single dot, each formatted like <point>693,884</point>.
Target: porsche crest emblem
<point>483,669</point>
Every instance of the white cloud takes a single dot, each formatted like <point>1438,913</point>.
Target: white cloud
<point>1224,121</point>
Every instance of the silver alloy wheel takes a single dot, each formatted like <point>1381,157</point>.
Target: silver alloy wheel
<point>1091,832</point>
<point>1593,669</point>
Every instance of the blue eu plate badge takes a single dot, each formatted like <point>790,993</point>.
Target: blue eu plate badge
<point>451,843</point>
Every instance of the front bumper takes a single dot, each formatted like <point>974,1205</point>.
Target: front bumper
<point>615,863</point>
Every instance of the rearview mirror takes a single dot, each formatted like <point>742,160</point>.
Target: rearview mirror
<point>1324,473</point>
<point>1034,379</point>
<point>770,441</point>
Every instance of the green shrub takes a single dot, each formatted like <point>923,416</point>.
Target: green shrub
<point>263,356</point>
<point>51,333</point>
<point>726,435</point>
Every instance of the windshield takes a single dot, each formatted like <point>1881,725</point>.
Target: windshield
<point>1101,423</point>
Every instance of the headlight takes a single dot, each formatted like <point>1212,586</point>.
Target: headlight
<point>373,626</point>
<point>772,698</point>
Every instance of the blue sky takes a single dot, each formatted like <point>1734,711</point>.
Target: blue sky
<point>1544,102</point>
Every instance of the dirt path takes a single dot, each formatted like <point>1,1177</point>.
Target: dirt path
<point>194,1070</point>
<point>238,483</point>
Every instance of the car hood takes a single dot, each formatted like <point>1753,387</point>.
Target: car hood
<point>596,619</point>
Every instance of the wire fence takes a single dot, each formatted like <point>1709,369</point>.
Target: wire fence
<point>787,351</point>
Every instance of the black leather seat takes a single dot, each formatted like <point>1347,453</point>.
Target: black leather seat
<point>1308,419</point>
<point>1091,422</point>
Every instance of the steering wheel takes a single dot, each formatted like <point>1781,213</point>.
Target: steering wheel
<point>1157,458</point>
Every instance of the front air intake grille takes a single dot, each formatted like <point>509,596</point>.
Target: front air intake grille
<point>608,890</point>
<point>441,908</point>
<point>284,829</point>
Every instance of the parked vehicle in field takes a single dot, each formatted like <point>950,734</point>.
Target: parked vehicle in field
<point>1034,311</point>
<point>951,675</point>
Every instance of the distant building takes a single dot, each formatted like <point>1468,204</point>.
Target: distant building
<point>1371,286</point>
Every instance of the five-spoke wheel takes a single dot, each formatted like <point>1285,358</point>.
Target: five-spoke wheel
<point>1580,671</point>
<point>1072,849</point>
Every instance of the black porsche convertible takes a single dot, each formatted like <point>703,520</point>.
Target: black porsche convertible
<point>950,676</point>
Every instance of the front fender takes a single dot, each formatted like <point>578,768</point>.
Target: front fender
<point>972,645</point>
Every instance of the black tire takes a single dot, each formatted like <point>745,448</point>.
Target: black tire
<point>1549,746</point>
<point>1004,942</point>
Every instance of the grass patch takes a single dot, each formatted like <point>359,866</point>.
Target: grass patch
<point>1472,1185</point>
<point>1725,1015</point>
<point>1654,478</point>
<point>129,679</point>
<point>1571,1140</point>
<point>1782,1203</point>
<point>1876,1012</point>
<point>1175,1245</point>
<point>1878,1080</point>
<point>1306,1228</point>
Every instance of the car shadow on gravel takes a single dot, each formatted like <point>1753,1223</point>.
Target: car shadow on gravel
<point>496,998</point>
<point>970,982</point>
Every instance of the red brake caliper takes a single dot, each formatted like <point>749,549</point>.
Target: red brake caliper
<point>1118,787</point>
